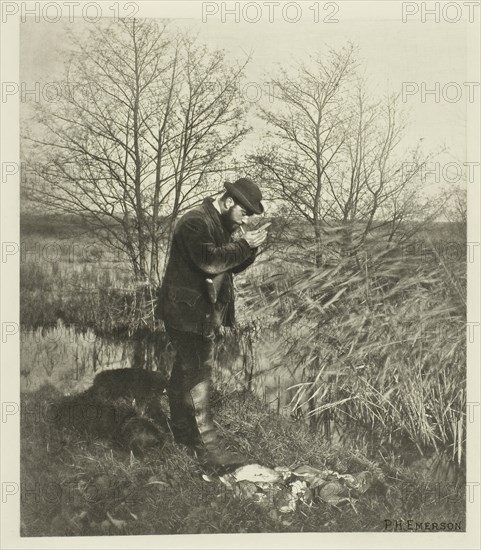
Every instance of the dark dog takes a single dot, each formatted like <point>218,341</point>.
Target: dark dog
<point>143,386</point>
<point>138,384</point>
<point>105,410</point>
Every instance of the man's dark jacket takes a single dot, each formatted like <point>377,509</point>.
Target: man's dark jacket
<point>202,247</point>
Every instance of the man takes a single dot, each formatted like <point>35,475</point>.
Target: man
<point>197,297</point>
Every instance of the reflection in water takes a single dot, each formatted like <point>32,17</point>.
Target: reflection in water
<point>69,359</point>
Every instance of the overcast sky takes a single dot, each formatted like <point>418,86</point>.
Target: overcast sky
<point>393,52</point>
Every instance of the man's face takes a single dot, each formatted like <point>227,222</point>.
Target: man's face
<point>236,216</point>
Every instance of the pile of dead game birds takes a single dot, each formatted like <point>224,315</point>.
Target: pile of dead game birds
<point>285,489</point>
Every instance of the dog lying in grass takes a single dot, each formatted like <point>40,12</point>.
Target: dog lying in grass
<point>138,384</point>
<point>134,385</point>
<point>109,409</point>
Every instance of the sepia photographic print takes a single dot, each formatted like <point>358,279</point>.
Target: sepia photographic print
<point>240,274</point>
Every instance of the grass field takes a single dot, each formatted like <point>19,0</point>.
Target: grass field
<point>74,485</point>
<point>375,347</point>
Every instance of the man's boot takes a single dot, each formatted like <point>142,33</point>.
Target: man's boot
<point>210,449</point>
<point>182,420</point>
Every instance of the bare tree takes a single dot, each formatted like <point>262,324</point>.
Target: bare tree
<point>131,146</point>
<point>309,127</point>
<point>376,185</point>
<point>335,153</point>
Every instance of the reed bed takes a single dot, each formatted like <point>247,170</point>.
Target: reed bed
<point>376,337</point>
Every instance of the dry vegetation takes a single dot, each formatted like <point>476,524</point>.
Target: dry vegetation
<point>374,341</point>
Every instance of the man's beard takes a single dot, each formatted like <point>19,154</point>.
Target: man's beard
<point>227,221</point>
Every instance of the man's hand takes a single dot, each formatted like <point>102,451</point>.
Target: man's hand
<point>255,238</point>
